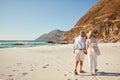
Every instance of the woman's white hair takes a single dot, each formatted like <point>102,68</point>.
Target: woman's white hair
<point>90,34</point>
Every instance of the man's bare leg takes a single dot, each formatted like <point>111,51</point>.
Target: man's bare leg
<point>81,65</point>
<point>76,65</point>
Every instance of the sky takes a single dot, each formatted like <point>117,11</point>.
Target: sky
<point>28,19</point>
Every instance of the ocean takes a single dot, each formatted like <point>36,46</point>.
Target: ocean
<point>22,43</point>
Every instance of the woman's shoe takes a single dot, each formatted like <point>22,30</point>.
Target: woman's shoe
<point>96,70</point>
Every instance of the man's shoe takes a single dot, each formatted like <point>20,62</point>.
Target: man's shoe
<point>82,71</point>
<point>75,72</point>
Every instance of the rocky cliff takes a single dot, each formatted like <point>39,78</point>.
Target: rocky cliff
<point>53,35</point>
<point>104,17</point>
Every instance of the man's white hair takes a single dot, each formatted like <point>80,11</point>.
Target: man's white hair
<point>81,32</point>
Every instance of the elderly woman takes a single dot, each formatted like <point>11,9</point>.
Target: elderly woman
<point>91,46</point>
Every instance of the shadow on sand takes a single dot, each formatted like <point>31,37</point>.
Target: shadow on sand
<point>102,74</point>
<point>107,74</point>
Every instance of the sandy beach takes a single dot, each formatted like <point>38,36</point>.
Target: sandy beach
<point>56,63</point>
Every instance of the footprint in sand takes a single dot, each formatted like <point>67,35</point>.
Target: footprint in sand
<point>15,70</point>
<point>10,75</point>
<point>58,69</point>
<point>30,64</point>
<point>18,64</point>
<point>32,70</point>
<point>70,72</point>
<point>2,74</point>
<point>118,64</point>
<point>25,73</point>
<point>46,66</point>
<point>8,67</point>
<point>65,74</point>
<point>107,63</point>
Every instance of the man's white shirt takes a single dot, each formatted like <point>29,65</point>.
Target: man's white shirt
<point>79,43</point>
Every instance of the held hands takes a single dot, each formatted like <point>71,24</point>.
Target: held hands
<point>85,51</point>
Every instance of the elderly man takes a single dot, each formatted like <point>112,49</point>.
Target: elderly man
<point>79,50</point>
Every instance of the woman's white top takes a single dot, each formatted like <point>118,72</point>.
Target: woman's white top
<point>91,43</point>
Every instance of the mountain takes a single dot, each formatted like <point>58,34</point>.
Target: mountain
<point>104,17</point>
<point>53,35</point>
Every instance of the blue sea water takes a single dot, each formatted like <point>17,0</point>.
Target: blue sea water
<point>22,43</point>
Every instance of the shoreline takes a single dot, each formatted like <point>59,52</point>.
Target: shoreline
<point>37,46</point>
<point>28,43</point>
<point>56,44</point>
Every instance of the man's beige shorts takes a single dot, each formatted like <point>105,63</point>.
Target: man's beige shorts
<point>79,55</point>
